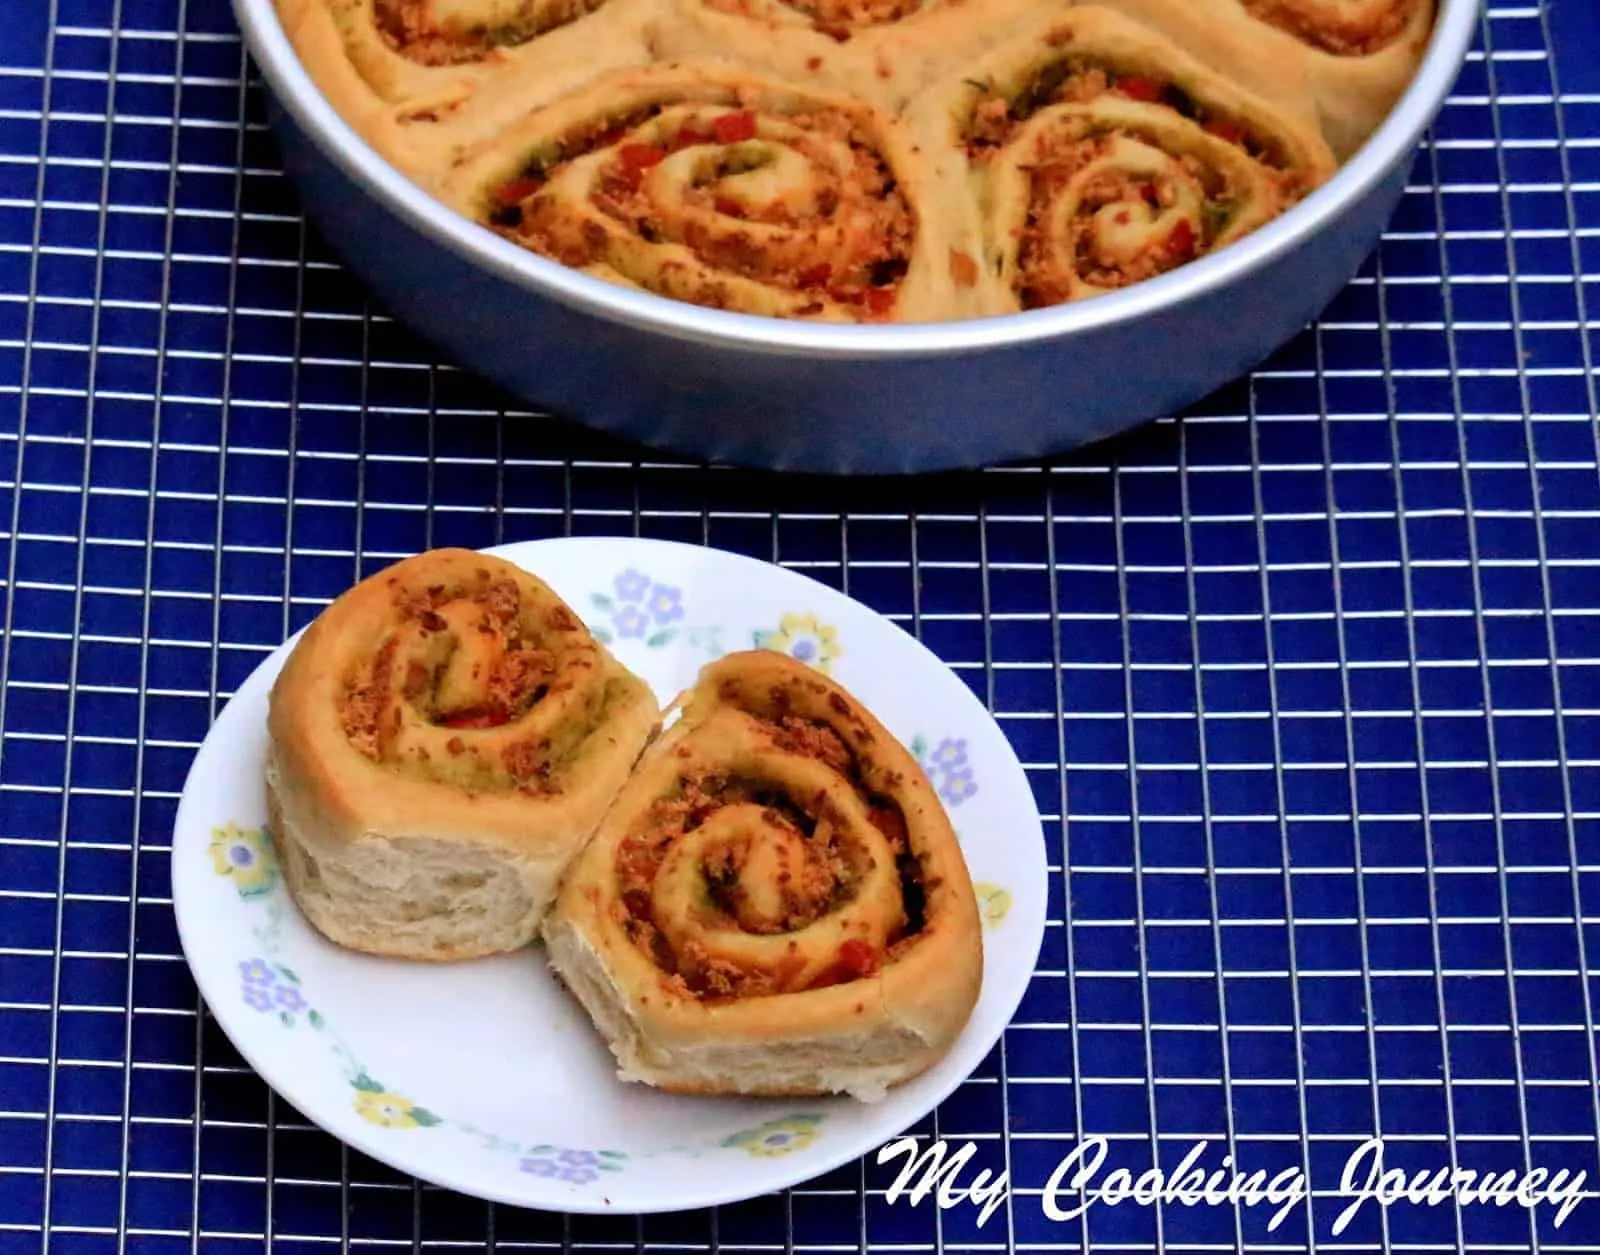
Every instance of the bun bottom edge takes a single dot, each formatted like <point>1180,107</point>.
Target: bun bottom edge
<point>715,1069</point>
<point>292,860</point>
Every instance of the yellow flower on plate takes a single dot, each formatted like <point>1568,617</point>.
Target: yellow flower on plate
<point>245,856</point>
<point>994,903</point>
<point>777,1137</point>
<point>805,639</point>
<point>389,1111</point>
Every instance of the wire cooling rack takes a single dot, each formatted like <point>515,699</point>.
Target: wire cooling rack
<point>1313,673</point>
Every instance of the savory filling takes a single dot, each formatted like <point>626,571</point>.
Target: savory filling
<point>803,204</point>
<point>1081,81</point>
<point>1127,220</point>
<point>1109,206</point>
<point>838,19</point>
<point>458,660</point>
<point>798,872</point>
<point>1344,28</point>
<point>458,32</point>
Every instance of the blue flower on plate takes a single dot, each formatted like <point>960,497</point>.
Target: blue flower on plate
<point>258,997</point>
<point>632,585</point>
<point>578,1167</point>
<point>640,609</point>
<point>957,786</point>
<point>631,621</point>
<point>949,767</point>
<point>666,604</point>
<point>256,972</point>
<point>290,999</point>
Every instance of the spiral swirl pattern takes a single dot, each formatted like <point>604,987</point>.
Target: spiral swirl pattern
<point>442,740</point>
<point>477,676</point>
<point>711,186</point>
<point>776,158</point>
<point>422,80</point>
<point>769,866</point>
<point>1107,157</point>
<point>777,870</point>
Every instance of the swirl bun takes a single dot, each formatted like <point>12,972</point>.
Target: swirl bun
<point>443,738</point>
<point>1342,28</point>
<point>776,904</point>
<point>1104,156</point>
<point>708,183</point>
<point>421,80</point>
<point>1359,55</point>
<point>842,160</point>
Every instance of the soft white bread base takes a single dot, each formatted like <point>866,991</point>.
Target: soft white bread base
<point>413,897</point>
<point>864,1064</point>
<point>395,856</point>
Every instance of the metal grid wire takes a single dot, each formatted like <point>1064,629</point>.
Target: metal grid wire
<point>1314,672</point>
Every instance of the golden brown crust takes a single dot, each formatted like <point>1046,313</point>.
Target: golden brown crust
<point>1359,67</point>
<point>1349,60</point>
<point>880,53</point>
<point>1340,28</point>
<point>449,703</point>
<point>456,92</point>
<point>1102,155</point>
<point>1222,37</point>
<point>777,903</point>
<point>709,183</point>
<point>420,91</point>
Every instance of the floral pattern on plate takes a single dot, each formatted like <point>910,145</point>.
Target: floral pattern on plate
<point>638,608</point>
<point>296,1006</point>
<point>387,1110</point>
<point>577,1166</point>
<point>269,986</point>
<point>245,856</point>
<point>948,766</point>
<point>994,903</point>
<point>777,1137</point>
<point>805,638</point>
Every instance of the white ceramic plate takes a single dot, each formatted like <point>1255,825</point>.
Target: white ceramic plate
<point>486,1077</point>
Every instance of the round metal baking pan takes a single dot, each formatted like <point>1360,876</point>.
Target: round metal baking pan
<point>848,399</point>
